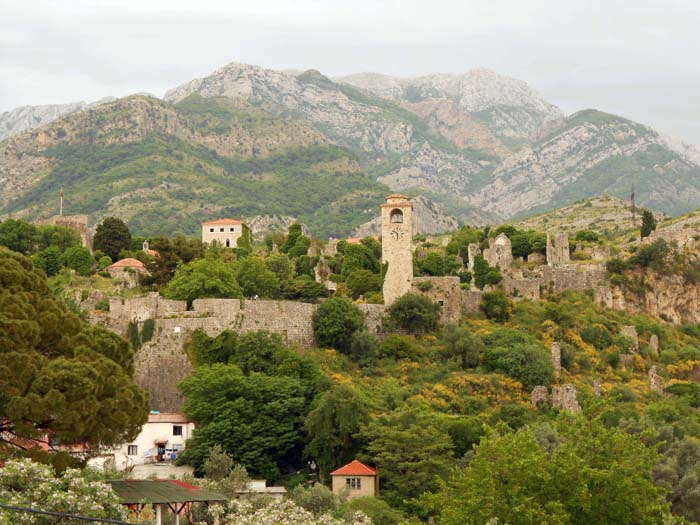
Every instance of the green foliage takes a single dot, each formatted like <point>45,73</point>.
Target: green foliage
<point>112,236</point>
<point>304,288</point>
<point>317,499</point>
<point>133,335</point>
<point>594,475</point>
<point>49,260</point>
<point>495,306</point>
<point>218,464</point>
<point>333,427</point>
<point>255,418</point>
<point>294,233</point>
<point>465,433</point>
<point>58,236</point>
<point>415,313</point>
<point>147,330</point>
<point>58,373</point>
<point>18,235</point>
<point>461,343</point>
<point>484,273</point>
<point>335,322</point>
<point>172,252</point>
<point>378,510</point>
<point>363,347</point>
<point>280,264</point>
<point>518,355</point>
<point>79,259</point>
<point>648,223</point>
<point>210,278</point>
<point>103,262</point>
<point>361,282</point>
<point>438,265</point>
<point>654,255</point>
<point>255,279</point>
<point>414,452</point>
<point>359,257</point>
<point>586,235</point>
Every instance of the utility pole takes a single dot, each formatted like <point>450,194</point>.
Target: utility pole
<point>60,209</point>
<point>634,209</point>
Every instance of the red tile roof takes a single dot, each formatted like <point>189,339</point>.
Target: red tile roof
<point>354,468</point>
<point>129,262</point>
<point>224,221</point>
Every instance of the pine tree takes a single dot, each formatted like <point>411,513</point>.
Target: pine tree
<point>648,223</point>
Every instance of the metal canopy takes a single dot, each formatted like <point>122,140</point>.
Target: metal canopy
<point>133,491</point>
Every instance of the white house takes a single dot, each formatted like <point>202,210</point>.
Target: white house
<point>154,450</point>
<point>225,231</point>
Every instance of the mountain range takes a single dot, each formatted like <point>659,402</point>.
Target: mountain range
<point>248,141</point>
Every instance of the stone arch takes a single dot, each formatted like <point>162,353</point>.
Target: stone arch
<point>396,216</point>
<point>228,243</point>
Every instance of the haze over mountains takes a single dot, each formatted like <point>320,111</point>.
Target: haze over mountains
<point>251,141</point>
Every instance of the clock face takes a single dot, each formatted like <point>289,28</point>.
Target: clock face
<point>397,233</point>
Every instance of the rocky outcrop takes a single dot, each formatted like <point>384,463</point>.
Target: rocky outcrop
<point>428,218</point>
<point>29,117</point>
<point>261,225</point>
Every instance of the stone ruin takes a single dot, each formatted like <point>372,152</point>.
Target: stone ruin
<point>556,359</point>
<point>76,222</point>
<point>563,397</point>
<point>654,343</point>
<point>656,384</point>
<point>472,251</point>
<point>597,388</point>
<point>499,253</point>
<point>630,332</point>
<point>558,249</point>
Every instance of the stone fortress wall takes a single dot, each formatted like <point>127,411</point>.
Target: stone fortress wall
<point>161,363</point>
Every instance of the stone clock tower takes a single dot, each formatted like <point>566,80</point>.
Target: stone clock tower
<point>397,246</point>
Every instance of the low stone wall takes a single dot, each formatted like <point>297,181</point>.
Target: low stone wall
<point>443,290</point>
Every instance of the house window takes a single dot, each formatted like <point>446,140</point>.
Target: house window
<point>233,229</point>
<point>353,483</point>
<point>177,430</point>
<point>133,450</point>
<point>211,230</point>
<point>221,229</point>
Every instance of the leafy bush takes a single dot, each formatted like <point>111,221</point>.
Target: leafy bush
<point>376,509</point>
<point>360,282</point>
<point>652,255</point>
<point>147,330</point>
<point>317,498</point>
<point>495,306</point>
<point>415,313</point>
<point>79,259</point>
<point>335,322</point>
<point>102,306</point>
<point>210,278</point>
<point>397,346</point>
<point>484,273</point>
<point>519,356</point>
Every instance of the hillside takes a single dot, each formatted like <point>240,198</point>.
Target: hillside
<point>484,147</point>
<point>165,168</point>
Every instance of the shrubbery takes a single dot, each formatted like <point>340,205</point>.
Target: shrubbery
<point>415,313</point>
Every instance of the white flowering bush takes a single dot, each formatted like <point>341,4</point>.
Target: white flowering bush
<point>280,512</point>
<point>24,483</point>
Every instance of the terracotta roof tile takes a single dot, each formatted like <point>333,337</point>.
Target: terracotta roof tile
<point>354,468</point>
<point>224,221</point>
<point>129,262</point>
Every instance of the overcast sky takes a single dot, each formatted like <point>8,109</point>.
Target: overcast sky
<point>636,58</point>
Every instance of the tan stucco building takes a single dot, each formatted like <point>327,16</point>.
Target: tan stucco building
<point>224,231</point>
<point>354,480</point>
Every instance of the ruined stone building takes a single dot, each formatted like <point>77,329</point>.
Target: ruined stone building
<point>397,246</point>
<point>500,252</point>
<point>76,222</point>
<point>557,249</point>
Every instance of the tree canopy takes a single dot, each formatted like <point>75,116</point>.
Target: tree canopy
<point>112,236</point>
<point>58,374</point>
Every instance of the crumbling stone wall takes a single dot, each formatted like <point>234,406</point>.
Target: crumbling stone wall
<point>77,222</point>
<point>472,251</point>
<point>557,249</point>
<point>471,301</point>
<point>565,398</point>
<point>499,253</point>
<point>524,288</point>
<point>446,291</point>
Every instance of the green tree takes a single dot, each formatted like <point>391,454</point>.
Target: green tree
<point>255,279</point>
<point>57,373</point>
<point>17,235</point>
<point>518,355</point>
<point>218,464</point>
<point>495,306</point>
<point>294,233</point>
<point>49,260</point>
<point>415,313</point>
<point>359,257</point>
<point>280,264</point>
<point>461,343</point>
<point>304,288</point>
<point>211,278</point>
<point>376,509</point>
<point>112,236</point>
<point>484,273</point>
<point>79,259</point>
<point>360,282</point>
<point>592,475</point>
<point>335,321</point>
<point>648,223</point>
<point>412,451</point>
<point>59,236</point>
<point>256,418</point>
<point>333,426</point>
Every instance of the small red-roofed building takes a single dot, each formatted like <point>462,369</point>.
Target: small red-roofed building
<point>225,231</point>
<point>128,271</point>
<point>147,250</point>
<point>354,480</point>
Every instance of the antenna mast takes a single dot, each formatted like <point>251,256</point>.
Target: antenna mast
<point>60,209</point>
<point>634,209</point>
